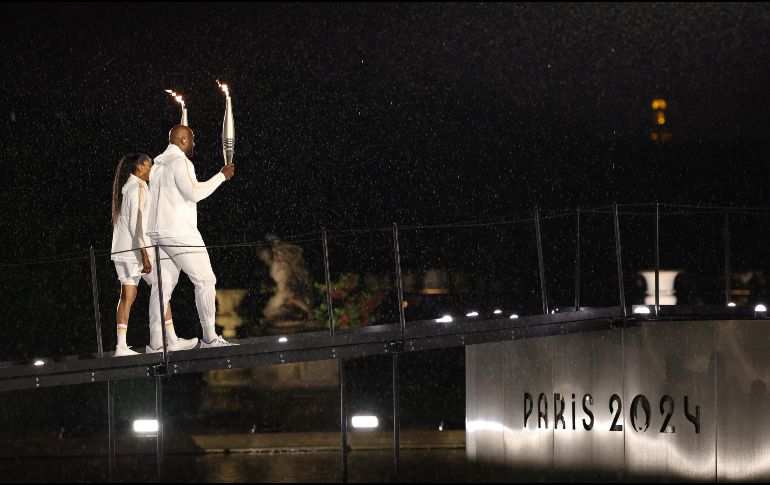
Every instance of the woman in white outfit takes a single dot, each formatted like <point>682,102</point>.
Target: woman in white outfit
<point>132,261</point>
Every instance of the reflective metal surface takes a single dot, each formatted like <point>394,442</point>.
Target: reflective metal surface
<point>669,365</point>
<point>470,400</point>
<point>587,370</point>
<point>668,400</point>
<point>743,405</point>
<point>486,426</point>
<point>528,445</point>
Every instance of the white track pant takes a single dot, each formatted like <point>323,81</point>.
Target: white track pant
<point>195,262</point>
<point>170,277</point>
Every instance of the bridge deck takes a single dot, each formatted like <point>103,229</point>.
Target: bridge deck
<point>377,340</point>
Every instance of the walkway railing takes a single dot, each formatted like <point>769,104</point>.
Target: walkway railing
<point>534,261</point>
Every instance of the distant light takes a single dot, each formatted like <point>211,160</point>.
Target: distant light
<point>39,362</point>
<point>760,308</point>
<point>661,119</point>
<point>283,340</point>
<point>497,312</point>
<point>659,103</point>
<point>513,317</point>
<point>732,303</point>
<point>145,426</point>
<point>441,426</point>
<point>444,319</point>
<point>472,314</point>
<point>642,310</point>
<point>365,422</point>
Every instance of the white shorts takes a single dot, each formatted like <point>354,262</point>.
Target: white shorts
<point>129,273</point>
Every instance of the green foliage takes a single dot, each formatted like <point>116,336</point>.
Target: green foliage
<point>354,305</point>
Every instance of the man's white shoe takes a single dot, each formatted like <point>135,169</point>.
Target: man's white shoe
<point>217,342</point>
<point>123,350</point>
<point>183,344</point>
<point>176,346</point>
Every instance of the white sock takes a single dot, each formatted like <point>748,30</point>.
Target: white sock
<point>209,332</point>
<point>122,329</point>
<point>156,338</point>
<point>170,333</point>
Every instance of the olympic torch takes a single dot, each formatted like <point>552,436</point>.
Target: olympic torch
<point>228,127</point>
<point>178,98</point>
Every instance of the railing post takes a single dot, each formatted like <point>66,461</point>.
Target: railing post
<point>399,287</point>
<point>97,313</point>
<point>657,259</point>
<point>159,417</point>
<point>162,306</point>
<point>340,362</point>
<point>726,233</point>
<point>621,288</point>
<point>396,416</point>
<point>541,265</point>
<point>343,421</point>
<point>111,427</point>
<point>577,262</point>
<point>328,281</point>
<point>396,373</point>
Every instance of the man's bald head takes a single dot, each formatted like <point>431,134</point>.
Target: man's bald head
<point>182,136</point>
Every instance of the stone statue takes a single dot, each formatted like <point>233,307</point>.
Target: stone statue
<point>293,299</point>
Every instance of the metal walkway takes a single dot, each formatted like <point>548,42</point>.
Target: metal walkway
<point>377,340</point>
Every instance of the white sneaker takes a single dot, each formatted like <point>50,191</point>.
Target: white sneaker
<point>179,344</point>
<point>123,350</point>
<point>217,342</point>
<point>183,344</point>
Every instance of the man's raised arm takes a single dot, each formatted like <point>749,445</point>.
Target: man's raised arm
<point>190,187</point>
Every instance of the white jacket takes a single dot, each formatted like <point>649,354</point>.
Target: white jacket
<point>128,231</point>
<point>174,193</point>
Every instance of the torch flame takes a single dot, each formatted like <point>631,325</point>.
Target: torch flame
<point>224,88</point>
<point>177,97</point>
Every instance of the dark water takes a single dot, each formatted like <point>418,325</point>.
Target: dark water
<point>442,465</point>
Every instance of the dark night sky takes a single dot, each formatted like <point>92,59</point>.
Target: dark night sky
<point>361,115</point>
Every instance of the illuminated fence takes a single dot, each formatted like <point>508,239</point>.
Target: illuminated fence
<point>341,281</point>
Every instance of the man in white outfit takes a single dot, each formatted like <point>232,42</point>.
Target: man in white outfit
<point>173,225</point>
